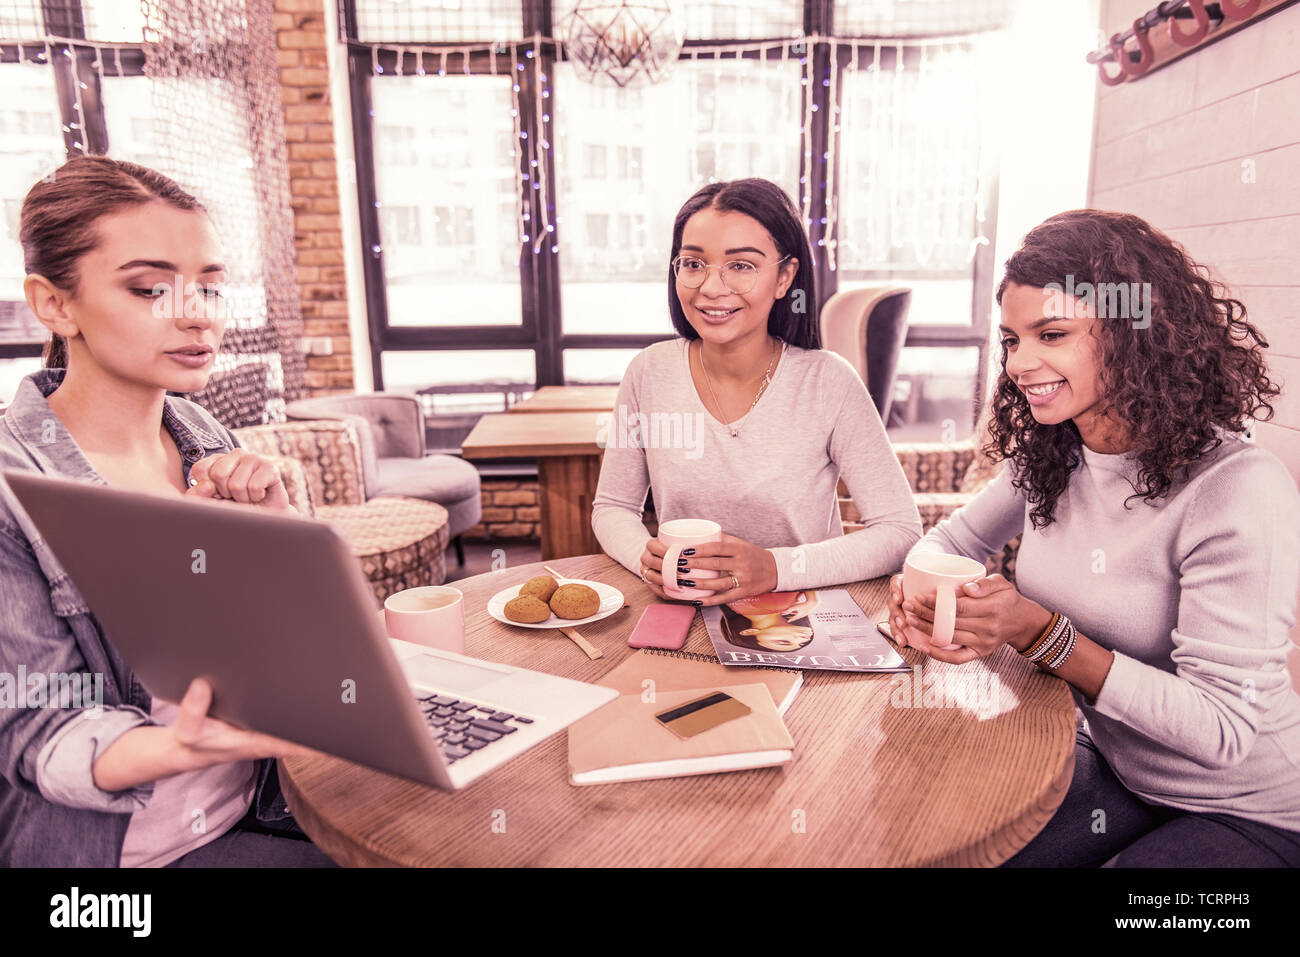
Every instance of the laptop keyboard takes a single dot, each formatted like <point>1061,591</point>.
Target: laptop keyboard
<point>463,727</point>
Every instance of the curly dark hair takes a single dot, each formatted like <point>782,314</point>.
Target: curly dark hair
<point>1198,365</point>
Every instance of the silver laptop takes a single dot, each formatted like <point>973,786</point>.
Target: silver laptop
<point>273,610</point>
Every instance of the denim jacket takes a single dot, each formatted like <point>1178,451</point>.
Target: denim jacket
<point>51,812</point>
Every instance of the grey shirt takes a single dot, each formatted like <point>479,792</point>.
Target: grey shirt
<point>51,812</point>
<point>1196,597</point>
<point>774,484</point>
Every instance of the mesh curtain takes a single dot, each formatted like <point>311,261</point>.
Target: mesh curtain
<point>218,130</point>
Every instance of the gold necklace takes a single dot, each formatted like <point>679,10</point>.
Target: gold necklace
<point>762,387</point>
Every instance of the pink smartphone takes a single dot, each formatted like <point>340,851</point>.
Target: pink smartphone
<point>662,626</point>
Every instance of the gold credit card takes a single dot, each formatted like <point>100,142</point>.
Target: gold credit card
<point>689,719</point>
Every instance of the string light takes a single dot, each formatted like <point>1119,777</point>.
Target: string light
<point>933,219</point>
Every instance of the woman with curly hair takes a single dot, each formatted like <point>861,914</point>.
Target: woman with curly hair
<point>1160,557</point>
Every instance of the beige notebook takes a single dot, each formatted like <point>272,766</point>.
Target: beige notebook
<point>676,670</point>
<point>623,741</point>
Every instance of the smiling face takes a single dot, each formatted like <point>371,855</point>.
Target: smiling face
<point>1052,358</point>
<point>147,308</point>
<point>718,315</point>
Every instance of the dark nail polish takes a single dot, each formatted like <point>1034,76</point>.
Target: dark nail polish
<point>688,551</point>
<point>680,562</point>
<point>685,583</point>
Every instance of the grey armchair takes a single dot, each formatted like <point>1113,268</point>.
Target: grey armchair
<point>393,459</point>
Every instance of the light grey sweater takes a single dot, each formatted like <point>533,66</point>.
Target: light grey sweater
<point>1196,597</point>
<point>774,484</point>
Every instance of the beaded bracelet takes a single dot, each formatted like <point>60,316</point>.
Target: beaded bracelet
<point>1067,646</point>
<point>1047,647</point>
<point>1038,642</point>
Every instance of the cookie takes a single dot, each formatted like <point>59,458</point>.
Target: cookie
<point>575,601</point>
<point>528,609</point>
<point>543,587</point>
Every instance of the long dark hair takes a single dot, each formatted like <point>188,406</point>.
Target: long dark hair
<point>766,202</point>
<point>59,213</point>
<point>1192,364</point>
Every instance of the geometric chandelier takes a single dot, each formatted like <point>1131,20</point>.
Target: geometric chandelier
<point>625,43</point>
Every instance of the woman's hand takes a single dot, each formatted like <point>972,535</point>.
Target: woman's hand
<point>153,752</point>
<point>897,622</point>
<point>652,563</point>
<point>240,476</point>
<point>753,568</point>
<point>902,634</point>
<point>203,741</point>
<point>990,613</point>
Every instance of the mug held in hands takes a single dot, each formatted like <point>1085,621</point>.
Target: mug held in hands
<point>680,534</point>
<point>943,574</point>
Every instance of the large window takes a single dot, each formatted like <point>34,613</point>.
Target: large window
<point>445,199</point>
<point>31,144</point>
<point>52,106</point>
<point>511,209</point>
<point>710,120</point>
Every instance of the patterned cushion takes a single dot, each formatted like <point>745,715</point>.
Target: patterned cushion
<point>934,466</point>
<point>936,506</point>
<point>400,541</point>
<point>294,477</point>
<point>328,451</point>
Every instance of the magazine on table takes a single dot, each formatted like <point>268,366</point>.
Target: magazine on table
<point>823,630</point>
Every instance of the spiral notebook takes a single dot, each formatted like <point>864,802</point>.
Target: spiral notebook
<point>622,741</point>
<point>681,670</point>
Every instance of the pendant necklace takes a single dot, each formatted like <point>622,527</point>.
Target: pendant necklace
<point>762,387</point>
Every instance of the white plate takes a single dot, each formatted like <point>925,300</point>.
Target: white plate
<point>611,600</point>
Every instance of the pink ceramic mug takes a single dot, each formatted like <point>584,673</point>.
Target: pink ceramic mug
<point>431,615</point>
<point>943,574</point>
<point>679,534</point>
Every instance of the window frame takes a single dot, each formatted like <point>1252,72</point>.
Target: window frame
<point>541,327</point>
<point>68,70</point>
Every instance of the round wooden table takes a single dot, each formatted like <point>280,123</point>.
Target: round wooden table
<point>889,769</point>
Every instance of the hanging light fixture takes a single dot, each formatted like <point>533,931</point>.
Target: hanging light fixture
<point>624,43</point>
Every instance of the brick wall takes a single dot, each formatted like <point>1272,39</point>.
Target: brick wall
<point>510,511</point>
<point>313,183</point>
<point>1206,149</point>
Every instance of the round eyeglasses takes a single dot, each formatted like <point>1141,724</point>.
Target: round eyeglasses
<point>737,275</point>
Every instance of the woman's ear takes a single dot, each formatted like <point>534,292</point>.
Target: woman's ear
<point>789,269</point>
<point>49,304</point>
<point>749,631</point>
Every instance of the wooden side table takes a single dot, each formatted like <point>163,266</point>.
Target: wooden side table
<point>569,398</point>
<point>568,468</point>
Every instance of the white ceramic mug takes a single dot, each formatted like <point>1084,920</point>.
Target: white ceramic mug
<point>926,572</point>
<point>679,534</point>
<point>431,615</point>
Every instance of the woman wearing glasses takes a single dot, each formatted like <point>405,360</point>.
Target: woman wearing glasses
<point>776,421</point>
